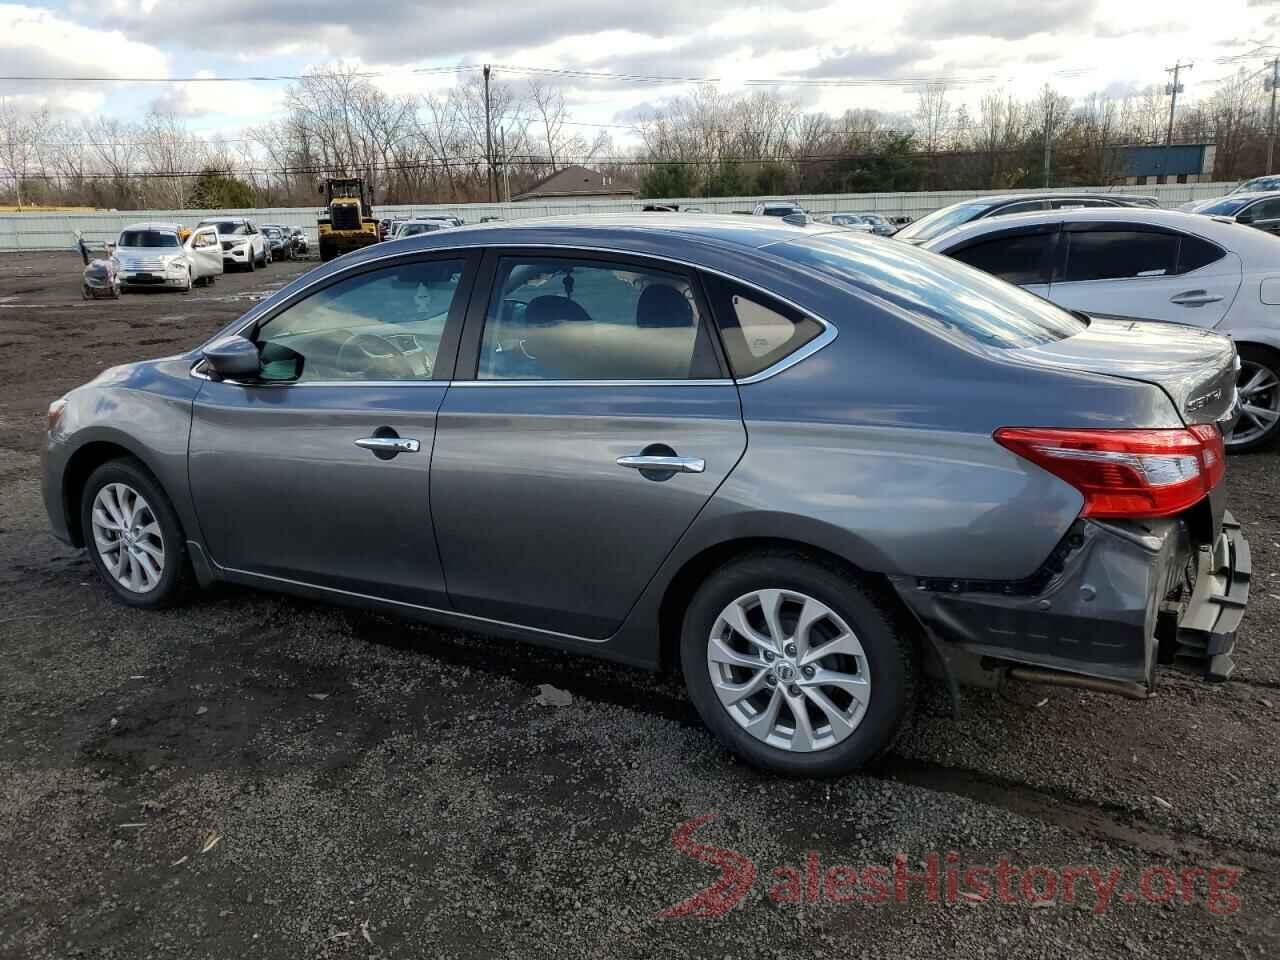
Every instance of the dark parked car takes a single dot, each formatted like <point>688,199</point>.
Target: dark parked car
<point>1260,210</point>
<point>948,218</point>
<point>278,240</point>
<point>800,465</point>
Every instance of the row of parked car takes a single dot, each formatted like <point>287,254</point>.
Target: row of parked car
<point>171,255</point>
<point>393,228</point>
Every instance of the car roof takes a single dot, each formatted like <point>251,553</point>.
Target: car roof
<point>1242,195</point>
<point>698,241</point>
<point>1221,230</point>
<point>999,198</point>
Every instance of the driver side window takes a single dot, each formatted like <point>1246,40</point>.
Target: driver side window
<point>380,325</point>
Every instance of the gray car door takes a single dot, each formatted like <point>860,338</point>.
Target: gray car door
<point>317,471</point>
<point>591,420</point>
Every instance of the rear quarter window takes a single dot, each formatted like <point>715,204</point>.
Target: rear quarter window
<point>756,329</point>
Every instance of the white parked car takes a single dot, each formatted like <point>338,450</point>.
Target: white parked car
<point>411,228</point>
<point>156,255</point>
<point>243,244</point>
<point>1153,265</point>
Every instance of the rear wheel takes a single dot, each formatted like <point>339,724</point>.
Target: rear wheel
<point>133,534</point>
<point>796,665</point>
<point>1259,388</point>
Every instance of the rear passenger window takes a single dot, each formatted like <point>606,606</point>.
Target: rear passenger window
<point>1196,253</point>
<point>757,330</point>
<point>1017,259</point>
<point>1120,255</point>
<point>565,319</point>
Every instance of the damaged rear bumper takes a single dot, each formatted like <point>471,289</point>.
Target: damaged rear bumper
<point>1115,600</point>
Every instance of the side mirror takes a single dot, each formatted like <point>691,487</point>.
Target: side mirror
<point>233,358</point>
<point>1245,217</point>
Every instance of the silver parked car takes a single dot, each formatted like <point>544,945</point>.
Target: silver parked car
<point>1150,265</point>
<point>803,466</point>
<point>157,255</point>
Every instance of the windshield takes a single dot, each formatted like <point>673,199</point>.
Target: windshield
<point>940,221</point>
<point>1225,207</point>
<point>148,238</point>
<point>936,290</point>
<point>271,232</point>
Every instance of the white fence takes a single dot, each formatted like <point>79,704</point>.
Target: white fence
<point>55,231</point>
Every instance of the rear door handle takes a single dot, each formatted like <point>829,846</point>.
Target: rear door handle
<point>1194,298</point>
<point>391,445</point>
<point>674,464</point>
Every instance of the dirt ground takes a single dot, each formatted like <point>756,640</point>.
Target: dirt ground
<point>256,776</point>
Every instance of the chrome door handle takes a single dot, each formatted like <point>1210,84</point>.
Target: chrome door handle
<point>1193,298</point>
<point>674,464</point>
<point>389,444</point>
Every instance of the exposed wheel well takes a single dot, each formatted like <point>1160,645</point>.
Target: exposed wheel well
<point>82,463</point>
<point>686,582</point>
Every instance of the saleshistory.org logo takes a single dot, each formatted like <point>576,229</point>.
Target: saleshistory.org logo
<point>945,878</point>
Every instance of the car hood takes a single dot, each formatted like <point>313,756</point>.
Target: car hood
<point>1195,367</point>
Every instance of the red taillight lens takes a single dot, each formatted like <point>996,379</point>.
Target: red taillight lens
<point>1126,473</point>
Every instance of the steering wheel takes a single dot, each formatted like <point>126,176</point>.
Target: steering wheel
<point>365,353</point>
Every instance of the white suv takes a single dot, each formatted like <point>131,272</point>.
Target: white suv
<point>242,243</point>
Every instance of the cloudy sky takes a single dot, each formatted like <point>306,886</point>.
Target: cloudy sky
<point>1077,45</point>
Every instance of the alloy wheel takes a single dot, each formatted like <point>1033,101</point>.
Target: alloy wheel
<point>127,535</point>
<point>789,670</point>
<point>1259,390</point>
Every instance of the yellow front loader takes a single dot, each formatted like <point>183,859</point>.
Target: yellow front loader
<point>347,223</point>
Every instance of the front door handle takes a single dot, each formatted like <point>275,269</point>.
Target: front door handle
<point>389,445</point>
<point>664,464</point>
<point>1194,298</point>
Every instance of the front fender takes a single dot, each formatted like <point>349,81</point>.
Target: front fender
<point>142,410</point>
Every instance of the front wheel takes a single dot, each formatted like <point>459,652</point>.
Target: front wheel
<point>796,665</point>
<point>1258,385</point>
<point>133,534</point>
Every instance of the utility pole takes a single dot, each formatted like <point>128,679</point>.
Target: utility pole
<point>1048,145</point>
<point>488,133</point>
<point>1173,89</point>
<point>1272,82</point>
<point>506,162</point>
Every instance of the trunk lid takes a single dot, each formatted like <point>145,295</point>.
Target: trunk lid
<point>1195,367</point>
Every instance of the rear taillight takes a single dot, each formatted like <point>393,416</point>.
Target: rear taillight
<point>1126,473</point>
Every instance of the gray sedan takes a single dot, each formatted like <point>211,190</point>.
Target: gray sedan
<point>689,443</point>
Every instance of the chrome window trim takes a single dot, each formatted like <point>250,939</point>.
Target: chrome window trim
<point>722,382</point>
<point>829,331</point>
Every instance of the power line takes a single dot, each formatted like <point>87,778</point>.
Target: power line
<point>250,78</point>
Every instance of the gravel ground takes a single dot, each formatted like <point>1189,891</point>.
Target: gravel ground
<point>258,776</point>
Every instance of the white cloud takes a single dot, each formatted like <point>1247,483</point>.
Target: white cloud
<point>36,42</point>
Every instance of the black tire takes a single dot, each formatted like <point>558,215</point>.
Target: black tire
<point>253,263</point>
<point>174,575</point>
<point>891,651</point>
<point>1262,357</point>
